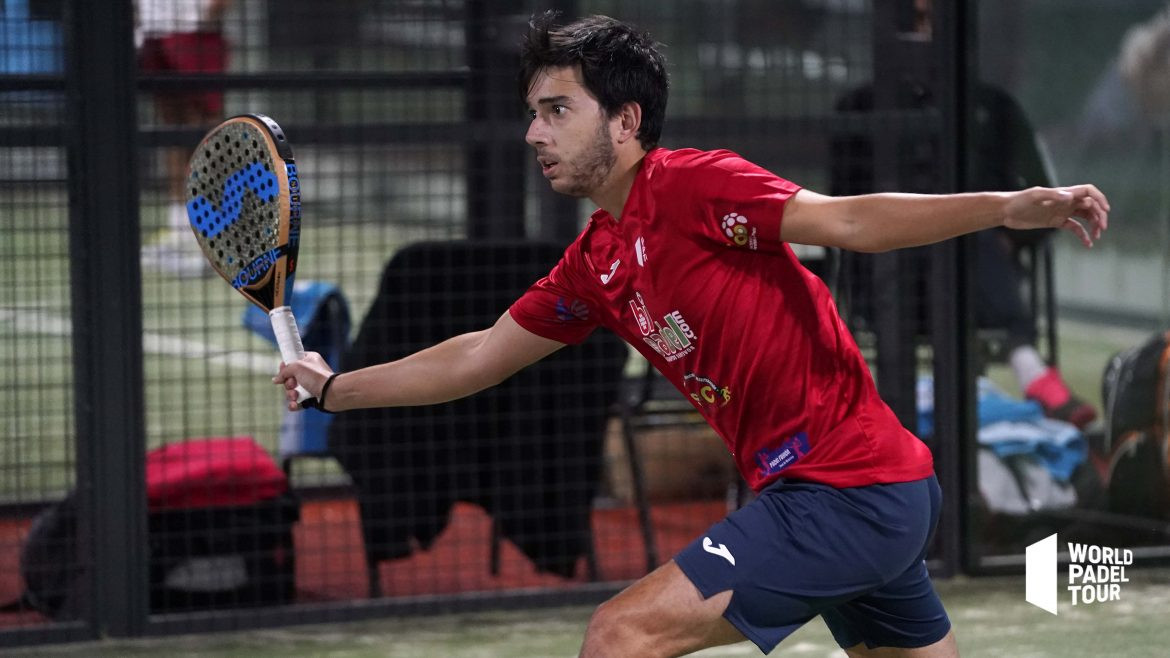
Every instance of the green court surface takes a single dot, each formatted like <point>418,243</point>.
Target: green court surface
<point>990,616</point>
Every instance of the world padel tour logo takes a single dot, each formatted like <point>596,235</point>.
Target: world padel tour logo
<point>1095,574</point>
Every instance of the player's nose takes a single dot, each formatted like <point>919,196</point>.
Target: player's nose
<point>537,134</point>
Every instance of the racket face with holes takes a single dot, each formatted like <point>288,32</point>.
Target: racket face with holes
<point>244,205</point>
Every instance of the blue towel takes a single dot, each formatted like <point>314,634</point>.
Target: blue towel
<point>1058,445</point>
<point>306,432</point>
<point>1008,426</point>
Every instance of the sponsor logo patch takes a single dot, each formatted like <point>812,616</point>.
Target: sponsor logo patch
<point>774,461</point>
<point>738,229</point>
<point>567,310</point>
<point>672,338</point>
<point>705,392</point>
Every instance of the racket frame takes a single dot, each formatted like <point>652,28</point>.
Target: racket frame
<point>272,288</point>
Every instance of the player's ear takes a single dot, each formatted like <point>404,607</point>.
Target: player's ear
<point>629,118</point>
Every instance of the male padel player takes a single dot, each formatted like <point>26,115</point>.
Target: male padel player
<point>687,259</point>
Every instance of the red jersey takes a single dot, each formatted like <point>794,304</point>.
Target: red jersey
<point>695,277</point>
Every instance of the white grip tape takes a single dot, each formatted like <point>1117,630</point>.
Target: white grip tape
<point>288,337</point>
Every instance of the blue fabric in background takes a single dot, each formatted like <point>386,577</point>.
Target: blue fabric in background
<point>1009,426</point>
<point>322,315</point>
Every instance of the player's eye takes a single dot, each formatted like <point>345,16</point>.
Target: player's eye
<point>532,114</point>
<point>559,109</point>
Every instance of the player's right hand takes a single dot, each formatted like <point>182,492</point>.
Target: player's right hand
<point>310,372</point>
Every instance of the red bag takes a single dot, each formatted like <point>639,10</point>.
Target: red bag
<point>217,472</point>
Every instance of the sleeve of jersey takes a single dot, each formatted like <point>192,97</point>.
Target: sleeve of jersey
<point>551,309</point>
<point>742,204</point>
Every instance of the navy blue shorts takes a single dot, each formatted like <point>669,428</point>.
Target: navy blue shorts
<point>854,556</point>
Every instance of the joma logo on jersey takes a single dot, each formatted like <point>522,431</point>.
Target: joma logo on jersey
<point>672,338</point>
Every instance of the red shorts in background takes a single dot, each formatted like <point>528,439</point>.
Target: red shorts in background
<point>187,52</point>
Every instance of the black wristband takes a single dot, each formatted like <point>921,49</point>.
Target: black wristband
<point>324,390</point>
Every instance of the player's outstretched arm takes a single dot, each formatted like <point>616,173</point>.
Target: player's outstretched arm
<point>455,368</point>
<point>880,222</point>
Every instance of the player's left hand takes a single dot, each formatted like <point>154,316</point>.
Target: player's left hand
<point>1080,209</point>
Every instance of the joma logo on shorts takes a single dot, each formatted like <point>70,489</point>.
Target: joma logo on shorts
<point>719,550</point>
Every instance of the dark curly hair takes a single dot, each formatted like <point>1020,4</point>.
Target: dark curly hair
<point>619,64</point>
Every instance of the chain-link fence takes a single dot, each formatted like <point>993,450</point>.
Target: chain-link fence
<point>150,480</point>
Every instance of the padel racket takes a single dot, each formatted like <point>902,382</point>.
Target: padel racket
<point>244,204</point>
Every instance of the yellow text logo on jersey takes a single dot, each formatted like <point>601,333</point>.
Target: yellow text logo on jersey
<point>705,392</point>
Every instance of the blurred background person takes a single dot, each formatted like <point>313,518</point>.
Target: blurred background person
<point>180,36</point>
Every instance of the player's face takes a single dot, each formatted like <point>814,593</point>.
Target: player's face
<point>570,133</point>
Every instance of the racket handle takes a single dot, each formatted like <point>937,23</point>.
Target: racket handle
<point>288,337</point>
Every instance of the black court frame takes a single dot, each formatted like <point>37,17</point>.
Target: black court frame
<point>102,88</point>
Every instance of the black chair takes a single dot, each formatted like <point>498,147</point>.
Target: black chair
<point>529,450</point>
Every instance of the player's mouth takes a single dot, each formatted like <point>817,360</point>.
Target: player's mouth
<point>547,166</point>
